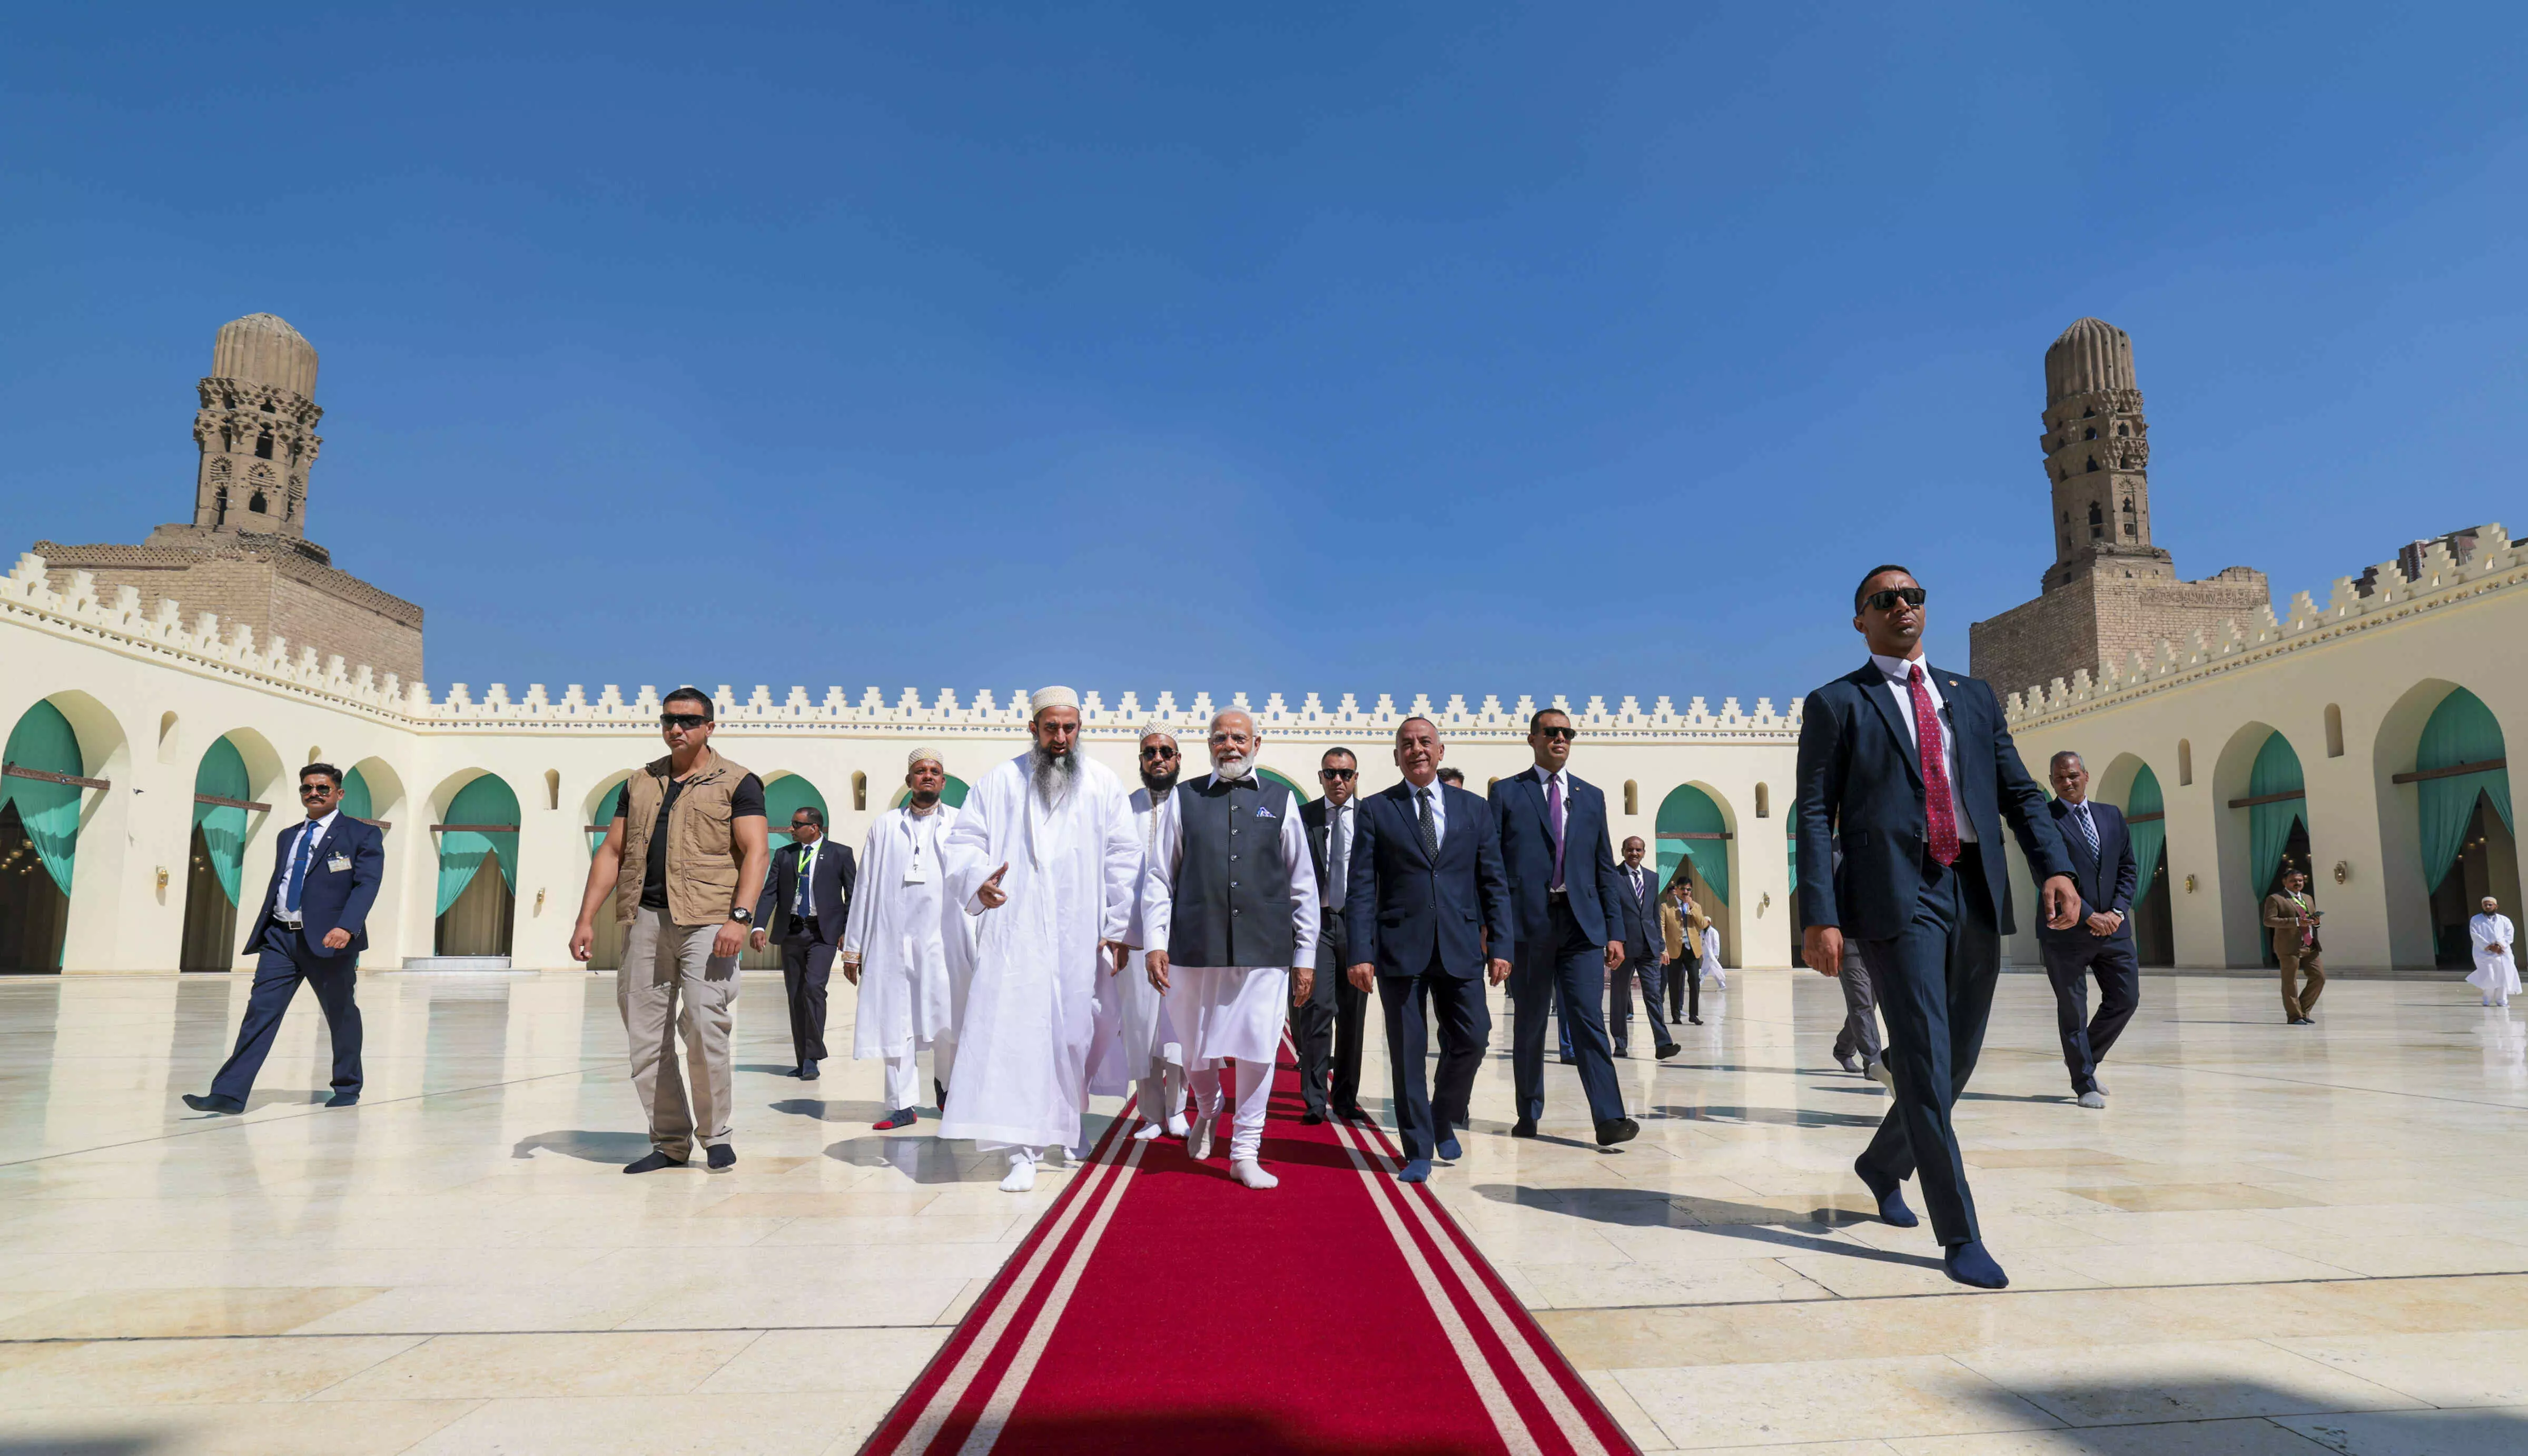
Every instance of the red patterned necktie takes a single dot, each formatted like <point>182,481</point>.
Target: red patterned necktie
<point>1937,803</point>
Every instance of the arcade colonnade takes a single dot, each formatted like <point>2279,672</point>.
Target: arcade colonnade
<point>2363,740</point>
<point>195,732</point>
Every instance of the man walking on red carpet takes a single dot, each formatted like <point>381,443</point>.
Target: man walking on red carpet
<point>1230,906</point>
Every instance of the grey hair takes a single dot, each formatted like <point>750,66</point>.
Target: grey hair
<point>2067,754</point>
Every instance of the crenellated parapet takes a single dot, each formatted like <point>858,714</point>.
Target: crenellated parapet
<point>233,649</point>
<point>2443,582</point>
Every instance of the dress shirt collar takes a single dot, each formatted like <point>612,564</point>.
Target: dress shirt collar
<point>1901,669</point>
<point>323,824</point>
<point>1543,778</point>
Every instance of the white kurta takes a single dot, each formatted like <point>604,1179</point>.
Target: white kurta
<point>2494,974</point>
<point>1022,1043</point>
<point>1146,1041</point>
<point>914,952</point>
<point>1230,1011</point>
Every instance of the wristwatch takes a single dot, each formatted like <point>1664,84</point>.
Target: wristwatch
<point>742,916</point>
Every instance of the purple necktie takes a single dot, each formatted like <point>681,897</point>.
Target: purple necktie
<point>1554,824</point>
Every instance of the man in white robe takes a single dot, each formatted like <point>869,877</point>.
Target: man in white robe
<point>1147,1047</point>
<point>1045,855</point>
<point>1230,905</point>
<point>2497,959</point>
<point>908,950</point>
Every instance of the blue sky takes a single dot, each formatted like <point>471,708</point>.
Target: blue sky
<point>1439,349</point>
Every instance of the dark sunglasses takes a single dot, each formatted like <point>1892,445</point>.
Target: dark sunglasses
<point>1339,775</point>
<point>683,721</point>
<point>1886,600</point>
<point>1157,752</point>
<point>803,824</point>
<point>1563,735</point>
<point>317,790</point>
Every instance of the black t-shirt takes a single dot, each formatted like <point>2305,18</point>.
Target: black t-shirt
<point>746,800</point>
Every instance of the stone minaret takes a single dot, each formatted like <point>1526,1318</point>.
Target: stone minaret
<point>2097,457</point>
<point>257,430</point>
<point>2110,594</point>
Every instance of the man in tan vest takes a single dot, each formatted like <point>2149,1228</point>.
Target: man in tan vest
<point>684,859</point>
<point>2293,923</point>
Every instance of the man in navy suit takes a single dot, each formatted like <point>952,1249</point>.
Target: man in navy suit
<point>313,926</point>
<point>1564,890</point>
<point>805,914</point>
<point>1910,768</point>
<point>1636,924</point>
<point>1426,895</point>
<point>2101,944</point>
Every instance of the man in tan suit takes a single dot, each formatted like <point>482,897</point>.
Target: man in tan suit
<point>2293,923</point>
<point>1681,924</point>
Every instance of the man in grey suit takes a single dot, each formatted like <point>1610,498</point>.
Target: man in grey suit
<point>2101,944</point>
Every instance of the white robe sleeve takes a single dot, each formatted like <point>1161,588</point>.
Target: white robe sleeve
<point>965,853</point>
<point>1159,877</point>
<point>1305,919</point>
<point>856,920</point>
<point>1123,864</point>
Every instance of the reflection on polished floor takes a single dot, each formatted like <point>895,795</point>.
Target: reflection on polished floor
<point>2272,1240</point>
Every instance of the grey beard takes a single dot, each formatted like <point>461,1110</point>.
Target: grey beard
<point>1053,777</point>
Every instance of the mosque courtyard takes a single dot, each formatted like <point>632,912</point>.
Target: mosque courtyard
<point>2272,1240</point>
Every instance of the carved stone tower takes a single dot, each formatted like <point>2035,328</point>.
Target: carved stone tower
<point>2110,594</point>
<point>2098,454</point>
<point>246,555</point>
<point>257,430</point>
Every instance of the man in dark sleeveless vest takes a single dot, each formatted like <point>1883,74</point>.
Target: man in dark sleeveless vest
<point>1231,894</point>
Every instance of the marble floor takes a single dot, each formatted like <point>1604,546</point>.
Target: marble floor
<point>2272,1240</point>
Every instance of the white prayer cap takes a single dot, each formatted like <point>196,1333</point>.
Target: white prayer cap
<point>1045,697</point>
<point>1162,730</point>
<point>928,752</point>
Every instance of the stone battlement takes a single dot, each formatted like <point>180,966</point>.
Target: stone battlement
<point>232,649</point>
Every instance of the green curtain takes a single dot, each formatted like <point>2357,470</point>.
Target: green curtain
<point>223,775</point>
<point>786,796</point>
<point>607,808</point>
<point>50,811</point>
<point>1690,810</point>
<point>2461,730</point>
<point>2268,826</point>
<point>357,800</point>
<point>485,801</point>
<point>951,794</point>
<point>1791,830</point>
<point>2149,839</point>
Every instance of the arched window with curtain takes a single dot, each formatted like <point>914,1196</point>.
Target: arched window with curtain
<point>2469,840</point>
<point>1297,794</point>
<point>951,794</point>
<point>212,883</point>
<point>2277,818</point>
<point>2146,820</point>
<point>39,839</point>
<point>476,910</point>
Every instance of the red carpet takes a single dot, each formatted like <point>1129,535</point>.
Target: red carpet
<point>1160,1307</point>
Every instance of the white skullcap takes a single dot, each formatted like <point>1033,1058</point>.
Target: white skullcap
<point>1161,729</point>
<point>928,751</point>
<point>1045,697</point>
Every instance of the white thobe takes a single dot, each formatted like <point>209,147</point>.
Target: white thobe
<point>1230,1011</point>
<point>1022,1043</point>
<point>1145,1042</point>
<point>1711,965</point>
<point>915,953</point>
<point>2495,974</point>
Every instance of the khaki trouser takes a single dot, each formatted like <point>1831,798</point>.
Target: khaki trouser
<point>2296,1000</point>
<point>662,963</point>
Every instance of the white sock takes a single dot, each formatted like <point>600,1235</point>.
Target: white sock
<point>1022,1174</point>
<point>1251,1173</point>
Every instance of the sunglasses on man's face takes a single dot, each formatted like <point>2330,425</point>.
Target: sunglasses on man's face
<point>314,790</point>
<point>1339,775</point>
<point>1886,600</point>
<point>687,721</point>
<point>1155,751</point>
<point>1562,735</point>
<point>803,824</point>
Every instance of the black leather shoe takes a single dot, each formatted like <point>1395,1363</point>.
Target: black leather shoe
<point>1570,1060</point>
<point>1671,1050</point>
<point>1622,1050</point>
<point>940,1089</point>
<point>1311,1118</point>
<point>1523,1128</point>
<point>1350,1111</point>
<point>652,1162</point>
<point>722,1156</point>
<point>344,1099</point>
<point>1617,1130</point>
<point>213,1102</point>
<point>807,1071</point>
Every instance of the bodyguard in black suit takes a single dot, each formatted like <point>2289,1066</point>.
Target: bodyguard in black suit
<point>2101,944</point>
<point>1425,898</point>
<point>312,927</point>
<point>1563,889</point>
<point>1637,926</point>
<point>1911,767</point>
<point>808,924</point>
<point>1327,1027</point>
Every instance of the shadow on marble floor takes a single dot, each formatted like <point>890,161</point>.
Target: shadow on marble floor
<point>585,1145</point>
<point>1798,1231</point>
<point>2217,1417</point>
<point>81,1445</point>
<point>1774,1116</point>
<point>825,1109</point>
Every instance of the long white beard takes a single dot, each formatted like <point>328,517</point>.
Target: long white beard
<point>1232,767</point>
<point>1053,777</point>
